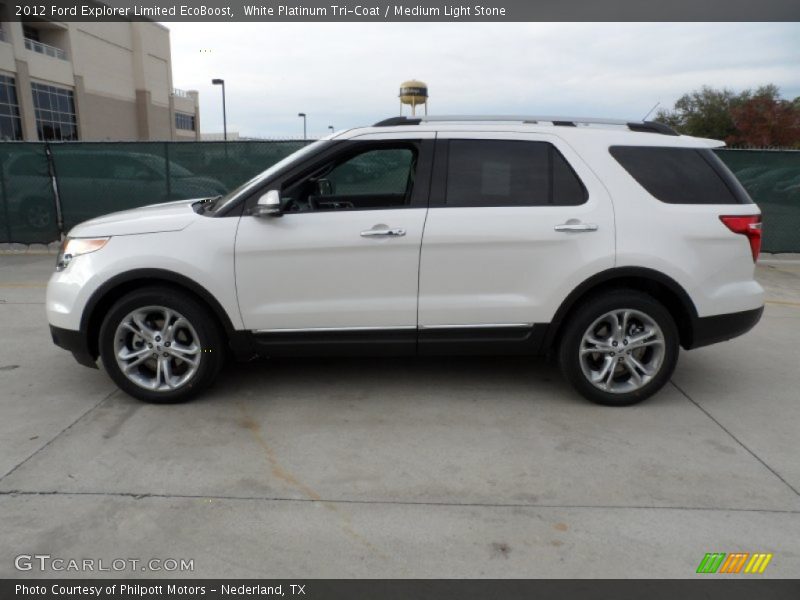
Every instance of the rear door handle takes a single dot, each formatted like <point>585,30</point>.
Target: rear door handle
<point>383,233</point>
<point>567,227</point>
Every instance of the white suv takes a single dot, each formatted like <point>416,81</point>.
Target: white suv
<point>607,244</point>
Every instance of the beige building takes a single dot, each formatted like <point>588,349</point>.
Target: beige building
<point>91,82</point>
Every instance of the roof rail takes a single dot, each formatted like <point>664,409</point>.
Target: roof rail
<point>640,126</point>
<point>393,121</point>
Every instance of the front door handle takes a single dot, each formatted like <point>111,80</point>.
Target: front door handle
<point>567,227</point>
<point>383,233</point>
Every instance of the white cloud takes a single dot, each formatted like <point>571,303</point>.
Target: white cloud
<point>348,74</point>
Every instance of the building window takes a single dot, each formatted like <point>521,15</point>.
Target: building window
<point>55,112</point>
<point>10,124</point>
<point>184,121</point>
<point>30,33</point>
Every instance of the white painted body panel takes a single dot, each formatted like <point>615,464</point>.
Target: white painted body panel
<point>168,216</point>
<point>201,251</point>
<point>508,265</point>
<point>314,270</point>
<point>686,242</point>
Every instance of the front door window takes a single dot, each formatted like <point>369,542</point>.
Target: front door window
<point>377,178</point>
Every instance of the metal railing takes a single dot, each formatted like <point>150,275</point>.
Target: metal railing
<point>640,126</point>
<point>45,49</point>
<point>179,93</point>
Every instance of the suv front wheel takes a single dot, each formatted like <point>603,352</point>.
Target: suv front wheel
<point>161,345</point>
<point>619,347</point>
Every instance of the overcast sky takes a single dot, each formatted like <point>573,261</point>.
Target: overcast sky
<point>348,74</point>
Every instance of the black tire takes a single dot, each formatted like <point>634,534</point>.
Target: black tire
<point>594,308</point>
<point>210,340</point>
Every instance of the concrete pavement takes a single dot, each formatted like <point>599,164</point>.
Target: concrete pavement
<point>401,468</point>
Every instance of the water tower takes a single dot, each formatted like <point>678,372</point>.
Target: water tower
<point>414,93</point>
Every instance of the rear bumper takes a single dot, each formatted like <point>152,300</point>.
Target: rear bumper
<point>75,342</point>
<point>718,328</point>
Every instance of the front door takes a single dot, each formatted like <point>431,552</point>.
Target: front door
<point>344,256</point>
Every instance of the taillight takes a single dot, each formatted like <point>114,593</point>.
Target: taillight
<point>750,226</point>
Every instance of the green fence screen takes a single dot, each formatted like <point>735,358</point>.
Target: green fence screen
<point>98,178</point>
<point>772,178</point>
<point>27,198</point>
<point>95,178</point>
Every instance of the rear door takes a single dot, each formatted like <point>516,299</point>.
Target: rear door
<point>516,221</point>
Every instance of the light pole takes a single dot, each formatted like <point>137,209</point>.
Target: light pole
<point>304,124</point>
<point>224,115</point>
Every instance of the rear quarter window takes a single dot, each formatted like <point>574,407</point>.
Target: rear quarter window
<point>681,175</point>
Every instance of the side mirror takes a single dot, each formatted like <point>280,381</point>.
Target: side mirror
<point>269,205</point>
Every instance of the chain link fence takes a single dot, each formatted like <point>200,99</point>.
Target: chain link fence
<point>45,189</point>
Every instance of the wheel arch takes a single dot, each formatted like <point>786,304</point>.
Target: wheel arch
<point>662,287</point>
<point>115,288</point>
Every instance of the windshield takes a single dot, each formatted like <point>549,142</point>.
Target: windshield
<point>247,186</point>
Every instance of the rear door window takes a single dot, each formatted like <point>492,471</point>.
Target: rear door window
<point>681,175</point>
<point>510,173</point>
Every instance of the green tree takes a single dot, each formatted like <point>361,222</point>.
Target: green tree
<point>757,117</point>
<point>703,113</point>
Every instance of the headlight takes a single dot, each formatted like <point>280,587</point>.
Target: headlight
<point>72,247</point>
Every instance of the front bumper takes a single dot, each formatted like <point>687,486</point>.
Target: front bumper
<point>75,342</point>
<point>718,328</point>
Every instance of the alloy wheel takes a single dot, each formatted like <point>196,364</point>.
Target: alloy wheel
<point>622,351</point>
<point>157,348</point>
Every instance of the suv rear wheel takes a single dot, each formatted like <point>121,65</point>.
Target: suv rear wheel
<point>161,345</point>
<point>619,347</point>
